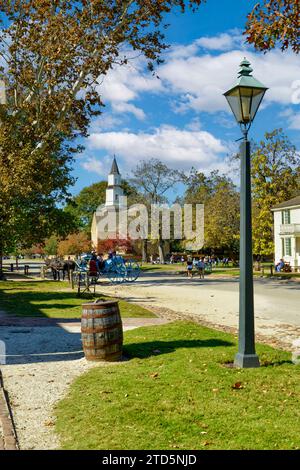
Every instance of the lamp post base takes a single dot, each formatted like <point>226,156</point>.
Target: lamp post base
<point>245,361</point>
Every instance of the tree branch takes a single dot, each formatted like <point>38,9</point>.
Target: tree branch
<point>78,84</point>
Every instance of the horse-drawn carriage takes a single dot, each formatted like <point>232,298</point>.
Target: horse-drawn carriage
<point>116,269</point>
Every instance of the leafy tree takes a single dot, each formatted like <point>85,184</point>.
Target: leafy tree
<point>221,227</point>
<point>45,74</point>
<point>153,179</point>
<point>52,55</point>
<point>51,246</point>
<point>28,221</point>
<point>74,244</point>
<point>274,22</point>
<point>221,208</point>
<point>200,187</point>
<point>85,203</point>
<point>275,179</point>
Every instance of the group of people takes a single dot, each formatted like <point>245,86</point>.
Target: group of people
<point>211,260</point>
<point>97,262</point>
<point>198,264</point>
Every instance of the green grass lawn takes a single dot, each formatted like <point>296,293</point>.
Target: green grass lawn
<point>176,392</point>
<point>284,275</point>
<point>179,268</point>
<point>225,271</point>
<point>53,300</point>
<point>148,267</point>
<point>217,271</point>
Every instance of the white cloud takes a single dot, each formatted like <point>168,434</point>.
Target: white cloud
<point>292,118</point>
<point>126,83</point>
<point>195,78</point>
<point>104,122</point>
<point>225,120</point>
<point>179,148</point>
<point>93,165</point>
<point>179,51</point>
<point>121,108</point>
<point>294,122</point>
<point>194,124</point>
<point>114,90</point>
<point>201,80</point>
<point>222,42</point>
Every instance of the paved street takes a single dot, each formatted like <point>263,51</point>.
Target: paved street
<point>34,266</point>
<point>277,303</point>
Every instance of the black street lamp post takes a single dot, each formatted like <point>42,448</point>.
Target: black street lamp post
<point>244,99</point>
<point>2,103</point>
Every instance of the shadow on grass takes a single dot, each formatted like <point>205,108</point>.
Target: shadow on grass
<point>275,363</point>
<point>156,348</point>
<point>26,303</point>
<point>230,364</point>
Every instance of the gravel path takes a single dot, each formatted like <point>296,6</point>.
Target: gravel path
<point>41,363</point>
<point>33,392</point>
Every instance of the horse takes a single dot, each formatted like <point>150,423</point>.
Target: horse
<point>56,266</point>
<point>68,266</point>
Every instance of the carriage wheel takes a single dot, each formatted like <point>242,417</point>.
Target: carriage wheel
<point>75,278</point>
<point>132,270</point>
<point>117,274</point>
<point>79,278</point>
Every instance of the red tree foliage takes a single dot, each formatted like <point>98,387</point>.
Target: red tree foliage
<point>109,245</point>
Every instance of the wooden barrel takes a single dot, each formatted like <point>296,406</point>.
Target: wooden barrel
<point>102,331</point>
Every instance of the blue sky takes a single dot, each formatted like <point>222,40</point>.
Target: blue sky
<point>183,118</point>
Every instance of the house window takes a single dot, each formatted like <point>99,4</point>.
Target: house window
<point>286,247</point>
<point>286,217</point>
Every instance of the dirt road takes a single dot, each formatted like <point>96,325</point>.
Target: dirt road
<point>215,300</point>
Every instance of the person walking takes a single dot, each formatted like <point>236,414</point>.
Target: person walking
<point>100,262</point>
<point>93,271</point>
<point>201,268</point>
<point>189,267</point>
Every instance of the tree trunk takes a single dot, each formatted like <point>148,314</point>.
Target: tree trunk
<point>144,251</point>
<point>161,253</point>
<point>2,277</point>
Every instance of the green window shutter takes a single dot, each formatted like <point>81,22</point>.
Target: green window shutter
<point>288,247</point>
<point>282,248</point>
<point>286,217</point>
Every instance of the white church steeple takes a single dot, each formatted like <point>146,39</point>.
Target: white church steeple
<point>114,190</point>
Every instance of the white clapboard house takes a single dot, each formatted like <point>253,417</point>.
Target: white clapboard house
<point>287,231</point>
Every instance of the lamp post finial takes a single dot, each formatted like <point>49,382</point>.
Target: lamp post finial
<point>246,68</point>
